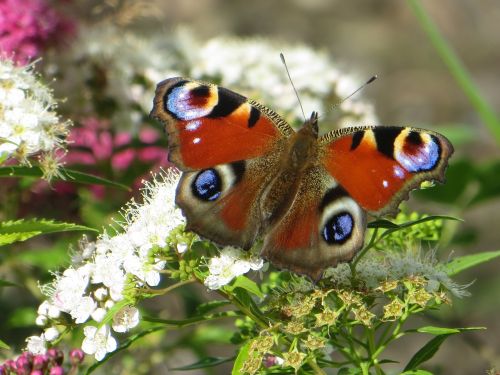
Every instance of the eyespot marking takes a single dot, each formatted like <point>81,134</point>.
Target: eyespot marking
<point>207,185</point>
<point>338,228</point>
<point>419,153</point>
<point>189,100</point>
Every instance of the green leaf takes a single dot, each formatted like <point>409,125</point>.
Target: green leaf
<point>66,175</point>
<point>382,223</point>
<point>457,69</point>
<point>240,359</point>
<point>416,372</point>
<point>429,349</point>
<point>397,227</point>
<point>7,239</point>
<point>4,283</point>
<point>21,230</point>
<point>437,330</point>
<point>462,263</point>
<point>3,345</point>
<point>426,352</point>
<point>247,284</point>
<point>444,331</point>
<point>204,363</point>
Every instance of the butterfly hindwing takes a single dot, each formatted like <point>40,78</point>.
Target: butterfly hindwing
<point>378,166</point>
<point>208,125</point>
<point>222,203</point>
<point>322,226</point>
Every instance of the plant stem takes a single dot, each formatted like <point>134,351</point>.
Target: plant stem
<point>317,370</point>
<point>245,310</point>
<point>457,69</point>
<point>168,289</point>
<point>363,252</point>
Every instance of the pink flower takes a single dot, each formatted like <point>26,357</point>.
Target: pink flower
<point>95,144</point>
<point>28,26</point>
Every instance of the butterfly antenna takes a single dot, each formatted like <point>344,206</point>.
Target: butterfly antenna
<point>372,78</point>
<point>294,89</point>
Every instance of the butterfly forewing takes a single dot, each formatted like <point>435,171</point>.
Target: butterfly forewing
<point>209,125</point>
<point>378,166</point>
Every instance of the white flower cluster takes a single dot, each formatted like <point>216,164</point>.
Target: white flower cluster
<point>231,263</point>
<point>102,271</point>
<point>395,265</point>
<point>28,122</point>
<point>254,67</point>
<point>133,65</point>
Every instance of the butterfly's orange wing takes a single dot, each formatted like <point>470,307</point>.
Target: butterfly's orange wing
<point>229,148</point>
<point>378,166</point>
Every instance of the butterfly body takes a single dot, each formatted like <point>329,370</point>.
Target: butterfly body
<point>248,175</point>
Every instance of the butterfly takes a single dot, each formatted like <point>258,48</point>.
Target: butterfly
<point>247,174</point>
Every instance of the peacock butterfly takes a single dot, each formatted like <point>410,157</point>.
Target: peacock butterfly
<point>247,174</point>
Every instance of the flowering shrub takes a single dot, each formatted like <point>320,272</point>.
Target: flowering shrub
<point>283,322</point>
<point>29,124</point>
<point>28,26</point>
<point>51,362</point>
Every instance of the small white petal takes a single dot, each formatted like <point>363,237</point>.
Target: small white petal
<point>36,344</point>
<point>51,334</point>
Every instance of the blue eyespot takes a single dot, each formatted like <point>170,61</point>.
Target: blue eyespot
<point>425,156</point>
<point>338,228</point>
<point>207,185</point>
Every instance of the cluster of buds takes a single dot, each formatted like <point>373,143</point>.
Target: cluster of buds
<point>52,362</point>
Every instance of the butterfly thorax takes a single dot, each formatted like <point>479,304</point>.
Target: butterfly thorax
<point>303,144</point>
<point>299,155</point>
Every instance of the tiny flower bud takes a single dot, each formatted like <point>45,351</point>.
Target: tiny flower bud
<point>76,356</point>
<point>56,355</point>
<point>100,294</point>
<point>41,320</point>
<point>51,334</point>
<point>10,365</point>
<point>40,361</point>
<point>56,370</point>
<point>23,365</point>
<point>272,360</point>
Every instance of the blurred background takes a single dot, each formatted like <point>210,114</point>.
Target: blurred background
<point>361,38</point>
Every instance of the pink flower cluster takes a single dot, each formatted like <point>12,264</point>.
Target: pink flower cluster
<point>28,26</point>
<point>94,142</point>
<point>41,364</point>
<point>95,145</point>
